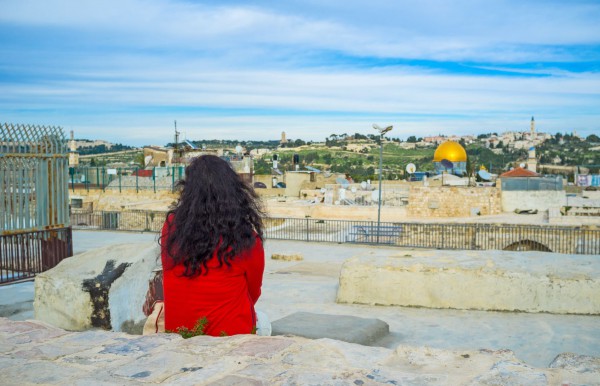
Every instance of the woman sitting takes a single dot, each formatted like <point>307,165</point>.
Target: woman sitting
<point>212,251</point>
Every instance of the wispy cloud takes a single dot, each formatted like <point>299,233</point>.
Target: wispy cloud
<point>130,67</point>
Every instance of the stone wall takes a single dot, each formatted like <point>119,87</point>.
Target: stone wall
<point>453,201</point>
<point>535,199</point>
<point>339,212</point>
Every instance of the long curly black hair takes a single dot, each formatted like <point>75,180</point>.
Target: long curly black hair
<point>216,211</point>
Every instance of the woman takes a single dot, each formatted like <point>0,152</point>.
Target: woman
<point>212,252</point>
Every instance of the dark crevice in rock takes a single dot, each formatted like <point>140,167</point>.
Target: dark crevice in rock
<point>98,287</point>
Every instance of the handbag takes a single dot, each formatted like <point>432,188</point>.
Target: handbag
<point>156,320</point>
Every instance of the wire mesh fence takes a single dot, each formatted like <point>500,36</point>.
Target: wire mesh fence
<point>560,239</point>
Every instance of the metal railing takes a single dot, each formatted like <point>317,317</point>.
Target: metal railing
<point>119,179</point>
<point>33,178</point>
<point>25,254</point>
<point>560,239</point>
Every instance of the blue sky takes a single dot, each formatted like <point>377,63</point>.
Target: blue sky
<point>124,70</point>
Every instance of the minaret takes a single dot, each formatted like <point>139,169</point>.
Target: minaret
<point>532,127</point>
<point>283,139</point>
<point>73,155</point>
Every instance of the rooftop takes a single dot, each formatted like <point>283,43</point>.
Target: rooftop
<point>311,286</point>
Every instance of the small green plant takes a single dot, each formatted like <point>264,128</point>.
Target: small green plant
<point>198,329</point>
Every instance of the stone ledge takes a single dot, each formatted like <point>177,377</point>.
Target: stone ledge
<point>507,281</point>
<point>35,353</point>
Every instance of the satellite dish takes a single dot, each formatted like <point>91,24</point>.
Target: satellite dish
<point>447,164</point>
<point>238,149</point>
<point>411,168</point>
<point>323,190</point>
<point>522,165</point>
<point>363,185</point>
<point>484,175</point>
<point>342,181</point>
<point>353,190</point>
<point>260,185</point>
<point>327,174</point>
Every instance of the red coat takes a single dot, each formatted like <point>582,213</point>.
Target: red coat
<point>225,295</point>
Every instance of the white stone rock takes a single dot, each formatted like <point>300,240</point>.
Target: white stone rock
<point>116,278</point>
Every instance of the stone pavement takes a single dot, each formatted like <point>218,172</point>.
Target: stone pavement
<point>35,353</point>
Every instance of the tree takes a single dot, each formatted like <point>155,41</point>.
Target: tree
<point>299,142</point>
<point>593,138</point>
<point>139,159</point>
<point>309,158</point>
<point>411,139</point>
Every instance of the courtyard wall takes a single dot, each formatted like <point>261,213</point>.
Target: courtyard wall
<point>453,201</point>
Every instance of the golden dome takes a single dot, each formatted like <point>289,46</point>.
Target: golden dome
<point>450,150</point>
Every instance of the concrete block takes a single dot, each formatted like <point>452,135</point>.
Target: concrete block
<point>346,328</point>
<point>502,281</point>
<point>104,288</point>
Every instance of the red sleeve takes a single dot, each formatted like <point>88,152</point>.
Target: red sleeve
<point>255,267</point>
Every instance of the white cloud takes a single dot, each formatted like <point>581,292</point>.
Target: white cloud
<point>312,102</point>
<point>482,31</point>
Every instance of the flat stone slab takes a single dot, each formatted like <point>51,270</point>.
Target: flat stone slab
<point>346,328</point>
<point>503,281</point>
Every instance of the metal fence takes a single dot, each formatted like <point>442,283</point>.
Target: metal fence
<point>34,205</point>
<point>118,179</point>
<point>573,240</point>
<point>135,220</point>
<point>25,254</point>
<point>532,183</point>
<point>33,177</point>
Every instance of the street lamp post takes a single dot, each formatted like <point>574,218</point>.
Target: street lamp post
<point>382,131</point>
